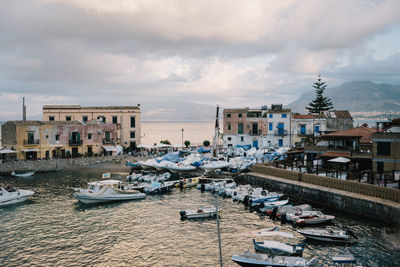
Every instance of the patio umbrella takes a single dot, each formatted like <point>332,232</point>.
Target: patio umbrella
<point>340,160</point>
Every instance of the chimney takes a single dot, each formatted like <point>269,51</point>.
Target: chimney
<point>23,109</point>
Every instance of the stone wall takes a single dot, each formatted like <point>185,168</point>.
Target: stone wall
<point>50,165</point>
<point>349,186</point>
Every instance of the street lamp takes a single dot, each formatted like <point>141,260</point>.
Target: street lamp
<point>182,138</point>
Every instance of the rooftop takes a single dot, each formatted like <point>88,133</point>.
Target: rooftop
<point>364,132</point>
<point>308,116</point>
<point>81,107</point>
<point>340,114</point>
<point>40,123</point>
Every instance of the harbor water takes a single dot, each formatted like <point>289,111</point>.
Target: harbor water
<point>53,229</point>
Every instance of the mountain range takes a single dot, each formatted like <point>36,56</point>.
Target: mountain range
<point>357,96</point>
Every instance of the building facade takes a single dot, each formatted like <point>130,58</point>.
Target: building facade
<point>55,139</point>
<point>126,118</point>
<point>305,128</point>
<point>279,127</point>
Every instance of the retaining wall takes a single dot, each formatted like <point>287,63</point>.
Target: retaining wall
<point>333,183</point>
<point>378,209</point>
<point>50,165</point>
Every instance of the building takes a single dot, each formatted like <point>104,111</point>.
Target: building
<point>279,127</point>
<point>305,128</point>
<point>338,120</point>
<point>386,150</point>
<point>126,118</point>
<point>244,127</point>
<point>56,139</point>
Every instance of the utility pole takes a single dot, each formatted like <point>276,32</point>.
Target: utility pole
<point>218,230</point>
<point>23,109</point>
<point>182,138</point>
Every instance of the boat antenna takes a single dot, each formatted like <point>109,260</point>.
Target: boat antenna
<point>218,230</point>
<point>216,134</point>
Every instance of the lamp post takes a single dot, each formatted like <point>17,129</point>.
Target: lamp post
<point>182,138</point>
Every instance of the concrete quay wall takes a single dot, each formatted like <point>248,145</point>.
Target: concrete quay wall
<point>375,208</point>
<point>51,165</point>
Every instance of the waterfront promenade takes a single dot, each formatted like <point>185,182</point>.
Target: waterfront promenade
<point>363,204</point>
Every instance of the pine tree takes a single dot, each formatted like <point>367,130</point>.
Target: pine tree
<point>320,103</point>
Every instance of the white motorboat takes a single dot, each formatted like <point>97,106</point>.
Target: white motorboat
<point>248,259</point>
<point>156,187</point>
<point>106,191</point>
<point>12,196</point>
<point>161,166</point>
<point>214,165</point>
<point>311,218</point>
<point>208,212</point>
<point>148,164</point>
<point>180,167</point>
<point>241,192</point>
<point>278,248</point>
<point>272,231</point>
<point>329,235</point>
<point>267,206</point>
<point>286,209</point>
<point>25,174</point>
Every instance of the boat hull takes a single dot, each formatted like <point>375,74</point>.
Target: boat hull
<point>14,198</point>
<point>102,199</point>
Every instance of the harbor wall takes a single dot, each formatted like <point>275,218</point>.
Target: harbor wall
<point>353,203</point>
<point>50,165</point>
<point>391,194</point>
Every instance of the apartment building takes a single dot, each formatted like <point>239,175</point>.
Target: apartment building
<point>305,128</point>
<point>126,118</point>
<point>56,139</point>
<point>279,127</point>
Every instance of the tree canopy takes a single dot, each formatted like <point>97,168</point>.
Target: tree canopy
<point>320,103</point>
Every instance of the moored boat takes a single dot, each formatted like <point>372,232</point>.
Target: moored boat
<point>278,248</point>
<point>248,259</point>
<point>25,174</point>
<point>10,196</point>
<point>200,213</point>
<point>190,182</point>
<point>329,235</point>
<point>313,218</point>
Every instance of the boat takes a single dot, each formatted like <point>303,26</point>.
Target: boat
<point>156,187</point>
<point>311,218</point>
<point>25,174</point>
<point>278,248</point>
<point>214,165</point>
<point>272,231</point>
<point>106,191</point>
<point>328,235</point>
<point>132,165</point>
<point>180,168</point>
<point>200,213</point>
<point>269,206</point>
<point>345,260</point>
<point>270,197</point>
<point>10,196</point>
<point>148,164</point>
<point>248,259</point>
<point>161,166</point>
<point>186,183</point>
<point>286,209</point>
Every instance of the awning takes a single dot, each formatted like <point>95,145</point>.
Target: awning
<point>295,152</point>
<point>110,148</point>
<point>340,160</point>
<point>7,151</point>
<point>31,150</point>
<point>335,154</point>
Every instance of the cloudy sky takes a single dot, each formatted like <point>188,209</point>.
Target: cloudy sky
<point>234,53</point>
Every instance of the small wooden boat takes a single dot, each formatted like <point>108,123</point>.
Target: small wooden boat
<point>329,235</point>
<point>248,259</point>
<point>312,218</point>
<point>200,213</point>
<point>25,174</point>
<point>346,260</point>
<point>278,248</point>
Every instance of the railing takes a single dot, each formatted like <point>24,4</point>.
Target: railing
<point>305,134</point>
<point>280,132</point>
<point>75,142</point>
<point>30,142</point>
<point>108,141</point>
<point>255,133</point>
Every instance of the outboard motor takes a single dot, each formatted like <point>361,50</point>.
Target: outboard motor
<point>350,233</point>
<point>181,184</point>
<point>203,187</point>
<point>273,214</point>
<point>183,214</point>
<point>246,200</point>
<point>283,218</point>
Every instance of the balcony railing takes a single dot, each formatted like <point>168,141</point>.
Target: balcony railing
<point>75,142</point>
<point>110,141</point>
<point>31,142</point>
<point>255,132</point>
<point>280,132</point>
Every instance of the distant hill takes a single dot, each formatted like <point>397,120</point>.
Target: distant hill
<point>359,96</point>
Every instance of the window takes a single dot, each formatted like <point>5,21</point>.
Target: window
<point>240,128</point>
<point>241,139</point>
<point>280,142</point>
<point>133,135</point>
<point>114,119</point>
<point>302,129</point>
<point>51,118</point>
<point>31,138</point>
<point>284,115</point>
<point>383,148</point>
<point>85,118</point>
<point>281,128</point>
<point>132,145</point>
<point>229,126</point>
<point>57,137</point>
<point>67,118</point>
<point>228,115</point>
<point>254,128</point>
<point>270,126</point>
<point>133,122</point>
<point>240,115</point>
<point>89,136</point>
<point>316,128</point>
<point>101,119</point>
<point>270,116</point>
<point>380,166</point>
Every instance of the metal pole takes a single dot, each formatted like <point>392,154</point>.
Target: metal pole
<point>182,138</point>
<point>219,233</point>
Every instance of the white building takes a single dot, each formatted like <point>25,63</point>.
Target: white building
<point>278,127</point>
<point>307,126</point>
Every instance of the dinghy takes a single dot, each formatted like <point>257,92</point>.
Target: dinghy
<point>269,206</point>
<point>329,235</point>
<point>13,195</point>
<point>25,174</point>
<point>200,213</point>
<point>248,259</point>
<point>278,248</point>
<point>132,165</point>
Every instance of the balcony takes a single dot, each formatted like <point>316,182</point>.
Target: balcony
<point>305,134</point>
<point>280,132</point>
<point>109,141</point>
<point>31,142</point>
<point>255,133</point>
<point>74,142</point>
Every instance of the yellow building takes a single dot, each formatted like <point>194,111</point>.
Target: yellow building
<point>55,139</point>
<point>127,119</point>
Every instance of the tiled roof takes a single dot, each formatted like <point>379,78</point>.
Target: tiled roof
<point>340,114</point>
<point>308,116</point>
<point>295,152</point>
<point>365,133</point>
<point>335,154</point>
